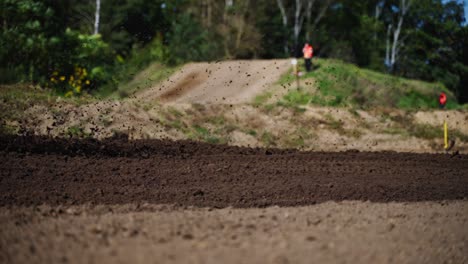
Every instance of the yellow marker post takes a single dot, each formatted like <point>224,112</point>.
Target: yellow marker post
<point>445,135</point>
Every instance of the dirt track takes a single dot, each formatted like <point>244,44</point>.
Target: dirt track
<point>85,201</point>
<point>118,172</point>
<point>345,232</point>
<point>227,82</point>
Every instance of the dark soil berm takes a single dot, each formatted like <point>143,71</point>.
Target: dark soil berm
<point>40,170</point>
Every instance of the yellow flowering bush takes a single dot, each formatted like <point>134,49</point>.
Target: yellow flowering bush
<point>70,84</point>
<point>85,67</point>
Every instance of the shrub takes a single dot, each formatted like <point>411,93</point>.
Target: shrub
<point>190,42</point>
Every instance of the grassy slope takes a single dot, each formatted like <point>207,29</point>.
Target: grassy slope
<point>135,80</point>
<point>334,83</point>
<point>16,99</point>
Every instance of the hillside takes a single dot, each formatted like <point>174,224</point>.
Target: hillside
<point>253,103</point>
<point>335,83</point>
<point>331,83</point>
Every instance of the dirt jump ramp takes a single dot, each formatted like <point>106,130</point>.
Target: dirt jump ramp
<point>226,82</point>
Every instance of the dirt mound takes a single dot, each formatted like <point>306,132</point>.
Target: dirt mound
<point>120,146</point>
<point>196,174</point>
<point>225,82</point>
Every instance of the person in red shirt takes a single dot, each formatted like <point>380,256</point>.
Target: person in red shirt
<point>442,100</point>
<point>308,52</point>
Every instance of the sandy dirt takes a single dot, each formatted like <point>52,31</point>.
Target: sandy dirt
<point>316,128</point>
<point>345,232</point>
<point>227,82</point>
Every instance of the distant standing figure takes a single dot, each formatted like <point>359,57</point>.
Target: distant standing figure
<point>308,53</point>
<point>442,100</point>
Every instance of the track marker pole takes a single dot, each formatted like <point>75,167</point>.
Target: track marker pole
<point>445,135</point>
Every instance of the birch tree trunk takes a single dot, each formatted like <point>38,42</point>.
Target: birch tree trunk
<point>396,44</point>
<point>97,17</point>
<point>310,4</point>
<point>297,22</point>
<point>387,46</point>
<point>303,11</point>
<point>378,11</point>
<point>241,25</point>
<point>324,9</point>
<point>284,16</point>
<point>209,12</point>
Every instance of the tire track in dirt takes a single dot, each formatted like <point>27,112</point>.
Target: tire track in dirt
<point>187,173</point>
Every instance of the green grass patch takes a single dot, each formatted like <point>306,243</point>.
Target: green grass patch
<point>297,97</point>
<point>262,98</point>
<point>268,139</point>
<point>252,132</point>
<point>77,132</point>
<point>16,99</point>
<point>216,120</point>
<point>203,134</point>
<point>174,112</point>
<point>406,126</point>
<point>337,125</point>
<point>339,84</point>
<point>298,138</point>
<point>425,131</point>
<point>457,134</point>
<point>134,78</point>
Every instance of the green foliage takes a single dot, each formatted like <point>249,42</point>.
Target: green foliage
<point>334,83</point>
<point>24,39</point>
<point>201,133</point>
<point>38,38</point>
<point>415,99</point>
<point>425,131</point>
<point>190,42</point>
<point>77,131</point>
<point>252,132</point>
<point>142,69</point>
<point>262,98</point>
<point>268,139</point>
<point>84,61</point>
<point>35,48</point>
<point>298,97</point>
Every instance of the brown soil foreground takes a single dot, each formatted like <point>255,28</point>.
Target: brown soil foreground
<point>153,201</point>
<point>345,232</point>
<point>36,170</point>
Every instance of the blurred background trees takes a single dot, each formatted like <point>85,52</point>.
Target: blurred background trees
<point>53,43</point>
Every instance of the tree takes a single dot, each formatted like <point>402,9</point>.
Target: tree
<point>25,36</point>
<point>393,50</point>
<point>96,17</point>
<point>234,22</point>
<point>302,10</point>
<point>241,38</point>
<point>437,50</point>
